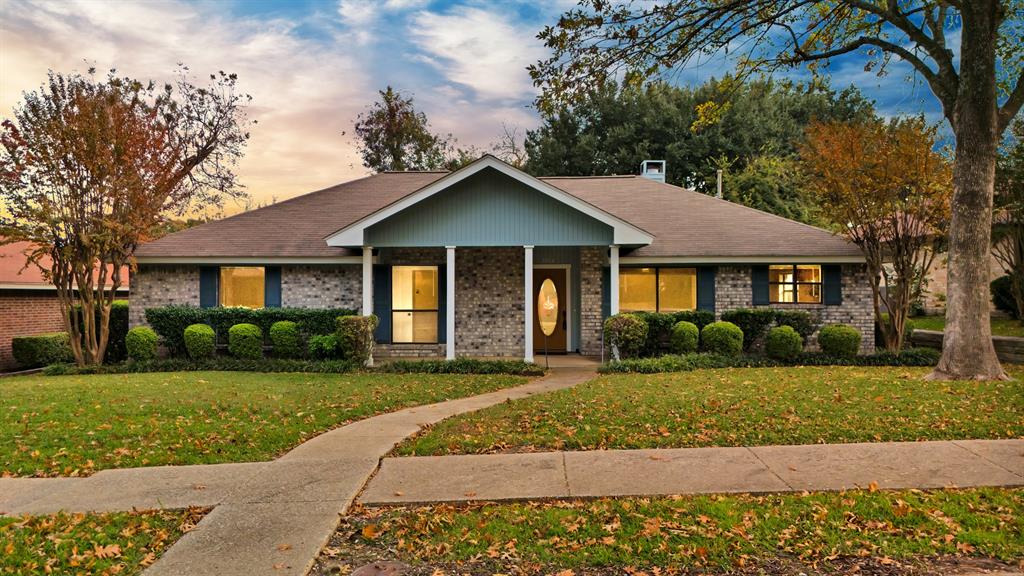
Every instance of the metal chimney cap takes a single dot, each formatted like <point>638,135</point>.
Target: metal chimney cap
<point>653,169</point>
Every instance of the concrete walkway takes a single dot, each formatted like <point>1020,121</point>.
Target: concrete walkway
<point>270,517</point>
<point>966,463</point>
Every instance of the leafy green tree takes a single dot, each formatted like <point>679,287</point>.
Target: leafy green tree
<point>393,136</point>
<point>774,184</point>
<point>981,90</point>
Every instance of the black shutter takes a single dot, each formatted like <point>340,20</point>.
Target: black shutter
<point>209,276</point>
<point>759,285</point>
<point>706,288</point>
<point>272,287</point>
<point>382,302</point>
<point>606,293</point>
<point>442,304</point>
<point>832,275</point>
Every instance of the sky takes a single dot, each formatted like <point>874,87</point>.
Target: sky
<point>312,66</point>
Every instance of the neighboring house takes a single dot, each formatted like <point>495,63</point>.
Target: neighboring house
<point>28,303</point>
<point>450,261</point>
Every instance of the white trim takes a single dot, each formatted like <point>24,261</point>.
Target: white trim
<point>613,281</point>
<point>568,295</point>
<point>230,260</point>
<point>367,280</point>
<point>528,303</point>
<point>449,320</point>
<point>633,260</point>
<point>623,232</point>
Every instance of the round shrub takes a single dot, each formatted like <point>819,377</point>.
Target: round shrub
<point>625,335</point>
<point>200,341</point>
<point>684,337</point>
<point>323,346</point>
<point>783,343</point>
<point>245,341</point>
<point>723,338</point>
<point>284,335</point>
<point>355,337</point>
<point>839,340</point>
<point>141,342</point>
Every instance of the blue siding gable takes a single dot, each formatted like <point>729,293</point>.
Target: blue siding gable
<point>489,209</point>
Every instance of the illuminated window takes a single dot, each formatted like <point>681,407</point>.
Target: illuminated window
<point>414,304</point>
<point>800,283</point>
<point>241,286</point>
<point>657,289</point>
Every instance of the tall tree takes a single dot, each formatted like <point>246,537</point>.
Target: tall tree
<point>888,190</point>
<point>88,167</point>
<point>1008,219</point>
<point>393,136</point>
<point>980,92</point>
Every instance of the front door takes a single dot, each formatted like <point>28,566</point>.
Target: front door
<point>551,313</point>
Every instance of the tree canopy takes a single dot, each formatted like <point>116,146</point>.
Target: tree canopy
<point>393,135</point>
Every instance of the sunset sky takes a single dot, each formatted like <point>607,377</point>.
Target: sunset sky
<point>313,65</point>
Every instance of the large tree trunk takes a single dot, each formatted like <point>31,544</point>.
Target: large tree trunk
<point>967,351</point>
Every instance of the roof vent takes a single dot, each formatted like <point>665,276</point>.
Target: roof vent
<point>653,170</point>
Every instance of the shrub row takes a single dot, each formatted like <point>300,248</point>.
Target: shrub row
<point>755,323</point>
<point>41,349</point>
<point>660,324</point>
<point>221,363</point>
<point>170,321</point>
<point>688,362</point>
<point>463,366</point>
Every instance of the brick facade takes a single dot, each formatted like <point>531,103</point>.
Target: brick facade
<point>733,290</point>
<point>24,313</point>
<point>155,285</point>
<point>322,286</point>
<point>489,318</point>
<point>592,263</point>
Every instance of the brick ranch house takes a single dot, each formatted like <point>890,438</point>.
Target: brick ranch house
<point>28,303</point>
<point>449,261</point>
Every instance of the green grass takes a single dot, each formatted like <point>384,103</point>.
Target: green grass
<point>737,407</point>
<point>1000,326</point>
<point>120,543</point>
<point>74,425</point>
<point>714,531</point>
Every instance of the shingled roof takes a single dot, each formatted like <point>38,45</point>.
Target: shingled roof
<point>684,223</point>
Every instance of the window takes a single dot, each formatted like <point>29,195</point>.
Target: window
<point>657,289</point>
<point>414,304</point>
<point>242,286</point>
<point>800,283</point>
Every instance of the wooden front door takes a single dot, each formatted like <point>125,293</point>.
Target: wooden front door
<point>550,310</point>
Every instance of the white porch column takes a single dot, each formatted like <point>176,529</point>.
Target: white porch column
<point>449,320</point>
<point>367,280</point>
<point>528,302</point>
<point>613,277</point>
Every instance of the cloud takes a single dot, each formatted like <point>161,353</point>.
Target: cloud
<point>479,49</point>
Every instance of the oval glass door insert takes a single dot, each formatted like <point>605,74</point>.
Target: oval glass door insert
<point>547,307</point>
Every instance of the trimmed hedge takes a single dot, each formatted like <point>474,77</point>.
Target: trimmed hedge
<point>839,340</point>
<point>355,337</point>
<point>783,343</point>
<point>798,320</point>
<point>323,347</point>
<point>723,338</point>
<point>754,323</point>
<point>463,366</point>
<point>200,341</point>
<point>245,341</point>
<point>922,357</point>
<point>626,334</point>
<point>116,351</point>
<point>41,349</point>
<point>660,324</point>
<point>141,343</point>
<point>170,321</point>
<point>220,363</point>
<point>685,337</point>
<point>286,340</point>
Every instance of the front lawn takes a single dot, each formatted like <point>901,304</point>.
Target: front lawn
<point>737,407</point>
<point>121,543</point>
<point>75,425</point>
<point>780,534</point>
<point>1000,326</point>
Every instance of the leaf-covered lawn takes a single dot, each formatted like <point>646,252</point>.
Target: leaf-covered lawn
<point>120,543</point>
<point>737,407</point>
<point>1000,326</point>
<point>75,425</point>
<point>713,531</point>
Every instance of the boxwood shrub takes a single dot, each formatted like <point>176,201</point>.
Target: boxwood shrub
<point>685,336</point>
<point>141,343</point>
<point>463,366</point>
<point>723,338</point>
<point>170,321</point>
<point>754,323</point>
<point>660,324</point>
<point>839,340</point>
<point>783,343</point>
<point>116,351</point>
<point>355,338</point>
<point>218,363</point>
<point>686,362</point>
<point>200,341</point>
<point>626,334</point>
<point>284,335</point>
<point>41,349</point>
<point>798,320</point>
<point>245,341</point>
<point>323,347</point>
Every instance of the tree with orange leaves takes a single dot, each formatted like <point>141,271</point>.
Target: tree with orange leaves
<point>887,188</point>
<point>88,167</point>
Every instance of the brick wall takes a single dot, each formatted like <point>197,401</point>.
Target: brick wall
<point>489,317</point>
<point>155,285</point>
<point>592,263</point>
<point>322,287</point>
<point>24,313</point>
<point>733,290</point>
